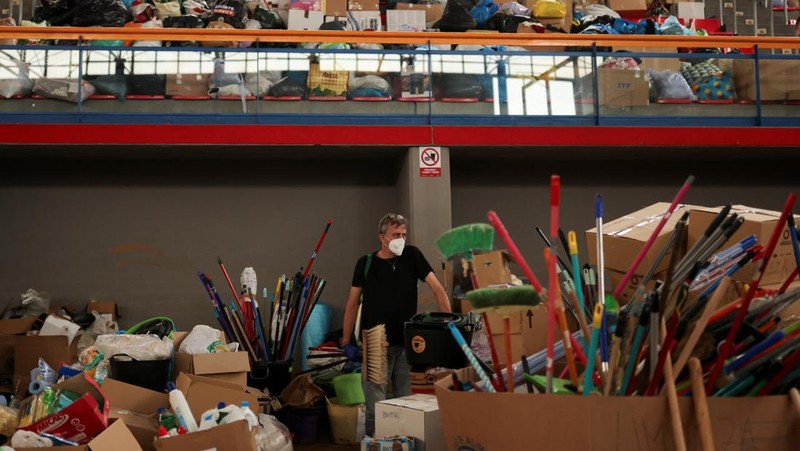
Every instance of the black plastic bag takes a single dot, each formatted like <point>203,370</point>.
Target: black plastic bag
<point>505,23</point>
<point>287,87</point>
<point>56,13</point>
<point>146,85</point>
<point>232,12</point>
<point>269,19</point>
<point>456,18</point>
<point>460,86</point>
<point>100,13</point>
<point>111,84</point>
<point>185,21</point>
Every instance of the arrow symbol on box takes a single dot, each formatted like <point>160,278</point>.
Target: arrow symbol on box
<point>530,319</point>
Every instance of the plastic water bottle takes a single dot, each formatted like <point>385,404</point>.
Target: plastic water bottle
<point>181,408</point>
<point>211,417</point>
<point>251,417</point>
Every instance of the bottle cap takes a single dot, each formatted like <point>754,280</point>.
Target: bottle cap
<point>245,403</point>
<point>162,431</point>
<point>220,405</point>
<point>181,430</point>
<point>161,410</point>
<point>170,386</point>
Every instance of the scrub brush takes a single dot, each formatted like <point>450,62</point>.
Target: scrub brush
<point>505,302</point>
<point>375,365</point>
<point>466,239</point>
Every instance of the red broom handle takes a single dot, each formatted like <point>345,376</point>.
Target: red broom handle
<point>512,248</point>
<point>316,249</point>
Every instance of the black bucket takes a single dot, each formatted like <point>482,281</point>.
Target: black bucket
<point>428,341</point>
<point>279,375</point>
<point>150,374</point>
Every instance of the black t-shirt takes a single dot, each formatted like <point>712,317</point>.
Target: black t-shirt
<point>390,291</point>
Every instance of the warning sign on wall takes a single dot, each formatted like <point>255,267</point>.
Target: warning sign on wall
<point>430,161</point>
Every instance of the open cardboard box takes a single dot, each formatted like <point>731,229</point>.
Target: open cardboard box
<point>55,350</point>
<point>136,407</point>
<point>235,436</point>
<point>104,308</point>
<point>203,393</point>
<point>226,366</point>
<point>116,437</point>
<point>80,421</point>
<point>8,329</point>
<point>511,421</point>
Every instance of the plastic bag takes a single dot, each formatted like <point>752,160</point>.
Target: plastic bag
<point>103,325</point>
<point>8,420</point>
<point>154,23</point>
<point>257,84</point>
<point>483,10</point>
<point>504,22</point>
<point>269,19</point>
<point>201,340</point>
<point>230,11</point>
<point>549,9</point>
<point>287,87</point>
<point>139,347</point>
<point>168,9</point>
<point>197,7</point>
<point>377,84</point>
<point>27,439</point>
<point>100,13</point>
<point>273,435</point>
<point>460,86</point>
<point>35,302</point>
<point>515,9</point>
<point>455,18</point>
<point>670,84</point>
<point>598,10</point>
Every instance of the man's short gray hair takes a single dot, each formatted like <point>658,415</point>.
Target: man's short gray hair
<point>391,219</point>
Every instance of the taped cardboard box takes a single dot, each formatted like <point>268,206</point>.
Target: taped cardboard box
<point>625,236</point>
<point>336,8</point>
<point>492,268</point>
<point>411,416</point>
<point>8,329</point>
<point>615,277</point>
<point>655,63</point>
<point>305,20</point>
<point>757,222</point>
<point>104,308</point>
<point>510,421</point>
<point>225,366</point>
<point>363,5</point>
<point>627,5</point>
<point>778,79</point>
<point>623,87</point>
<point>116,437</point>
<point>55,350</point>
<point>136,407</point>
<point>203,393</point>
<point>187,85</point>
<point>235,436</point>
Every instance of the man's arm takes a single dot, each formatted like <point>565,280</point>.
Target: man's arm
<point>438,292</point>
<point>350,312</point>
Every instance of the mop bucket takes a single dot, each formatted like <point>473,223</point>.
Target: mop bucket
<point>344,422</point>
<point>279,375</point>
<point>428,341</point>
<point>348,388</point>
<point>149,374</point>
<point>304,423</point>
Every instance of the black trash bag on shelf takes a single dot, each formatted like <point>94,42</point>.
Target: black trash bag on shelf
<point>146,84</point>
<point>287,87</point>
<point>460,86</point>
<point>100,13</point>
<point>56,13</point>
<point>111,84</point>
<point>232,12</point>
<point>185,21</point>
<point>505,23</point>
<point>269,18</point>
<point>456,18</point>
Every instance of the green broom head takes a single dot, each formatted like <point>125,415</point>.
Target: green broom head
<point>504,300</point>
<point>466,240</point>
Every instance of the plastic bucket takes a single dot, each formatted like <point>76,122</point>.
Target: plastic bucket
<point>349,390</point>
<point>304,423</point>
<point>278,376</point>
<point>344,422</point>
<point>150,374</point>
<point>428,341</point>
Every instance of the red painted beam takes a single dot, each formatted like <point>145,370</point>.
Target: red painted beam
<point>335,135</point>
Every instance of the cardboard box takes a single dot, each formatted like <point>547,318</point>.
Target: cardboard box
<point>757,222</point>
<point>657,63</point>
<point>491,422</point>
<point>623,87</point>
<point>433,11</point>
<point>336,8</point>
<point>307,5</point>
<point>405,20</point>
<point>225,366</point>
<point>187,85</point>
<point>8,329</point>
<point>136,407</point>
<point>203,393</point>
<point>363,5</point>
<point>624,237</point>
<point>627,5</point>
<point>778,79</point>
<point>305,20</point>
<point>412,416</point>
<point>615,277</point>
<point>116,437</point>
<point>690,10</point>
<point>104,308</point>
<point>492,268</point>
<point>55,350</point>
<point>80,421</point>
<point>235,436</point>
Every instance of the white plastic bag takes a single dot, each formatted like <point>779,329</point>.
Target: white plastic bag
<point>670,84</point>
<point>201,340</point>
<point>257,84</point>
<point>273,435</point>
<point>27,439</point>
<point>63,89</point>
<point>139,347</point>
<point>35,302</point>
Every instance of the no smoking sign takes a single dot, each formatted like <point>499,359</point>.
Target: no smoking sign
<point>430,161</point>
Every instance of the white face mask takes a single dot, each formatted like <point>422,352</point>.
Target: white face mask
<point>397,245</point>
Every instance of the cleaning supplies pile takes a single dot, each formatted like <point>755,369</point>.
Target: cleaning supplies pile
<point>205,339</point>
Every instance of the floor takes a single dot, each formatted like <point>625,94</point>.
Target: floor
<point>324,442</point>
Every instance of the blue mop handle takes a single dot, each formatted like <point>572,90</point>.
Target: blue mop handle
<point>637,342</point>
<point>597,321</point>
<point>487,384</point>
<point>795,242</point>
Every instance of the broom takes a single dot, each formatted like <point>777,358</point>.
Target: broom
<point>505,302</point>
<point>374,355</point>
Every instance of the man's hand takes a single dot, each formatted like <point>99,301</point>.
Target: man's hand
<point>352,352</point>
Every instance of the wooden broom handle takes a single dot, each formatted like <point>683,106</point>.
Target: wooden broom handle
<point>674,409</point>
<point>701,405</point>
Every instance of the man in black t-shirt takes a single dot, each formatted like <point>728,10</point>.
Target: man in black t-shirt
<point>390,298</point>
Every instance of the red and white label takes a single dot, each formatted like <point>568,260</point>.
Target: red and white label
<point>430,161</point>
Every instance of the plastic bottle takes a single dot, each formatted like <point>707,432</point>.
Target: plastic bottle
<point>166,419</point>
<point>248,414</point>
<point>162,431</point>
<point>181,408</point>
<point>232,413</point>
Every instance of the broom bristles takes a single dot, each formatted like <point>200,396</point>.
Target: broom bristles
<point>466,239</point>
<point>501,298</point>
<point>375,354</point>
